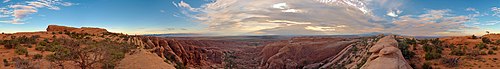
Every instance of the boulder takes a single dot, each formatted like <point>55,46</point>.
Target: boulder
<point>386,55</point>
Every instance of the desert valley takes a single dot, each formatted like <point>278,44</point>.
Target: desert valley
<point>89,48</point>
<point>249,34</point>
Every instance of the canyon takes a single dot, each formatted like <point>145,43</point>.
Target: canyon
<point>243,52</point>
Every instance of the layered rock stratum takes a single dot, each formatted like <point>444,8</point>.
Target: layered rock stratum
<point>315,52</point>
<point>88,30</point>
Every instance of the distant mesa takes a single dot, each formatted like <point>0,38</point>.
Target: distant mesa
<point>89,30</point>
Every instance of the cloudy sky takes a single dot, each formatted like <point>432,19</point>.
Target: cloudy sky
<point>257,17</point>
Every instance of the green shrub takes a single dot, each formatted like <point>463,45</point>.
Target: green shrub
<point>40,48</point>
<point>432,55</point>
<point>481,46</point>
<point>474,53</point>
<point>29,46</point>
<point>497,41</point>
<point>486,40</point>
<point>427,48</point>
<point>179,65</point>
<point>43,43</point>
<point>427,65</point>
<point>436,41</point>
<point>407,54</point>
<point>6,62</point>
<point>9,44</point>
<point>494,48</point>
<point>38,56</point>
<point>491,52</point>
<point>21,51</point>
<point>483,53</point>
<point>457,52</point>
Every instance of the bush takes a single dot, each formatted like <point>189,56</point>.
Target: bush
<point>483,53</point>
<point>427,48</point>
<point>474,37</point>
<point>432,55</point>
<point>179,65</point>
<point>491,52</point>
<point>497,41</point>
<point>9,44</point>
<point>29,46</point>
<point>407,54</point>
<point>21,51</point>
<point>494,48</point>
<point>486,40</point>
<point>426,65</point>
<point>40,48</point>
<point>481,46</point>
<point>6,62</point>
<point>474,53</point>
<point>38,56</point>
<point>457,52</point>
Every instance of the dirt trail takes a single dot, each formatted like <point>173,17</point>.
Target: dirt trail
<point>142,59</point>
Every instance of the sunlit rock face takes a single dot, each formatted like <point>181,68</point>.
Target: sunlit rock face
<point>88,30</point>
<point>301,52</point>
<point>386,55</point>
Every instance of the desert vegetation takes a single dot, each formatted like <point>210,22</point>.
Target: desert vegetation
<point>87,53</point>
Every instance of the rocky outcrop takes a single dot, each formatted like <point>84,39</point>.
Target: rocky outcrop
<point>492,37</point>
<point>88,30</point>
<point>193,53</point>
<point>301,52</point>
<point>386,55</point>
<point>56,28</point>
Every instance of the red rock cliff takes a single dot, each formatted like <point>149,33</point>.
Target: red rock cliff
<point>89,30</point>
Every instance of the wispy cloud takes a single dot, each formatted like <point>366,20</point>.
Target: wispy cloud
<point>492,22</point>
<point>496,11</point>
<point>319,17</point>
<point>17,12</point>
<point>5,1</point>
<point>434,22</point>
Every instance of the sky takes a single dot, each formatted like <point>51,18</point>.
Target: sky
<point>257,17</point>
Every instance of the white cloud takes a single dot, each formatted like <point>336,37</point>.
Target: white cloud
<point>434,22</point>
<point>5,1</point>
<point>280,6</point>
<point>496,11</point>
<point>320,28</point>
<point>393,13</point>
<point>288,17</point>
<point>492,22</point>
<point>162,11</point>
<point>246,16</point>
<point>292,10</point>
<point>185,5</point>
<point>470,9</point>
<point>17,12</point>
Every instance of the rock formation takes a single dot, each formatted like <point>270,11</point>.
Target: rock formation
<point>386,55</point>
<point>88,30</point>
<point>189,52</point>
<point>301,52</point>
